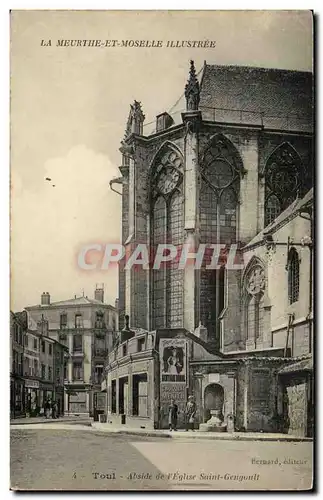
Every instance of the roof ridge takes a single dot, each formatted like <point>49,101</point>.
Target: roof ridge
<point>261,68</point>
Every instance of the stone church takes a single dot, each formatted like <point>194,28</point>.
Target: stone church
<point>233,168</point>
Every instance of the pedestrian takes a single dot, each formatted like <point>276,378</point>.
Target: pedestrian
<point>54,409</point>
<point>190,412</point>
<point>47,408</point>
<point>172,416</point>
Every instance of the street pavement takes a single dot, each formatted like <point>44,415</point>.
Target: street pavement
<point>78,457</point>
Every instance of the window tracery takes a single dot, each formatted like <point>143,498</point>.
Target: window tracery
<point>168,227</point>
<point>282,180</point>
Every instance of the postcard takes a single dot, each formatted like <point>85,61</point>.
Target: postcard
<point>162,253</point>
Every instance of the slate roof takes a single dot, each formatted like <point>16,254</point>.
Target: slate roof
<point>276,93</point>
<point>243,92</point>
<point>282,218</point>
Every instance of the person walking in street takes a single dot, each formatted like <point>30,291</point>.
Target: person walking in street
<point>190,412</point>
<point>172,416</point>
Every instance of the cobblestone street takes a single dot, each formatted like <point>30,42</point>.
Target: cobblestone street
<point>80,458</point>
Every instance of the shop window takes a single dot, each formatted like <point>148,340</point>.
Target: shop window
<point>140,395</point>
<point>77,402</point>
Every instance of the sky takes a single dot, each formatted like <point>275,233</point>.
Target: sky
<point>69,107</point>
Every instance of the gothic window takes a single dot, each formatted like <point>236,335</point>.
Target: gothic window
<point>167,227</point>
<point>254,304</point>
<point>221,169</point>
<point>283,177</point>
<point>293,276</point>
<point>159,237</point>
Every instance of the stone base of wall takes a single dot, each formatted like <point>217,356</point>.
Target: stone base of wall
<point>131,421</point>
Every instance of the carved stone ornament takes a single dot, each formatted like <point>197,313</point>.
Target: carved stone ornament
<point>192,90</point>
<point>256,281</point>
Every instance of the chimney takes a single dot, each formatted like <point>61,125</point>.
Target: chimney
<point>45,299</point>
<point>99,292</point>
<point>163,121</point>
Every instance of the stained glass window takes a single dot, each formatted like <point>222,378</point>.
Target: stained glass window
<point>159,237</point>
<point>220,183</point>
<point>174,289</point>
<point>167,227</point>
<point>283,179</point>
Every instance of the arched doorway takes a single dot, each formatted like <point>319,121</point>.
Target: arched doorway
<point>213,399</point>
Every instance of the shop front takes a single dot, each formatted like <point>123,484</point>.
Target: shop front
<point>46,393</point>
<point>17,399</point>
<point>32,400</point>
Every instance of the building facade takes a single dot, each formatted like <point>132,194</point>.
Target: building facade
<point>37,367</point>
<point>18,327</point>
<point>233,170</point>
<point>44,360</point>
<point>86,327</point>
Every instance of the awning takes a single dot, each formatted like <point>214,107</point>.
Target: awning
<point>305,365</point>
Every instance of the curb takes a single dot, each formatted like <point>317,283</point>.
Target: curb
<point>51,421</point>
<point>206,435</point>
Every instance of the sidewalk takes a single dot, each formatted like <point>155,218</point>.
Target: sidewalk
<point>181,434</point>
<point>42,420</point>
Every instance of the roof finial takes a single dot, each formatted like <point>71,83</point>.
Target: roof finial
<point>135,121</point>
<point>192,90</point>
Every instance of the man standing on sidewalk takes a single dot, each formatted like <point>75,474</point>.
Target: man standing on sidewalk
<point>172,416</point>
<point>190,413</point>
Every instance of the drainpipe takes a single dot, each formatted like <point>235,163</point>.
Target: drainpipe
<point>289,325</point>
<point>307,216</point>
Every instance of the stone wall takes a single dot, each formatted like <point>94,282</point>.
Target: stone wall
<point>296,405</point>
